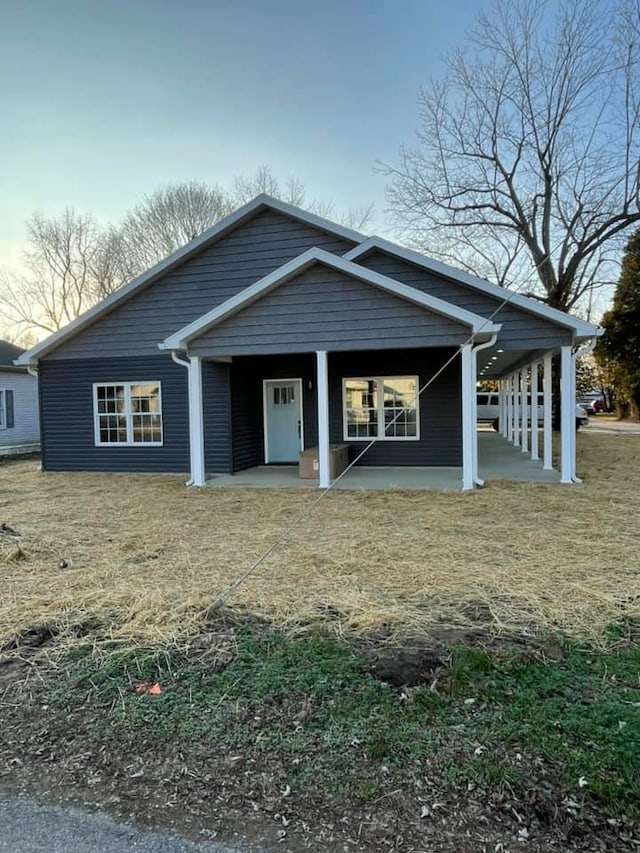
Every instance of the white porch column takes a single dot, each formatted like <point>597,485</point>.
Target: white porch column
<point>534,410</point>
<point>469,432</point>
<point>567,416</point>
<point>509,435</point>
<point>517,405</point>
<point>547,425</point>
<point>196,422</point>
<point>322,380</point>
<point>503,409</point>
<point>524,382</point>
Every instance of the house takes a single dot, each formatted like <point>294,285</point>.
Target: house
<point>19,423</point>
<point>277,330</point>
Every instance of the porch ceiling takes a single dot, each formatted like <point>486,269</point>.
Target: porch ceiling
<point>496,362</point>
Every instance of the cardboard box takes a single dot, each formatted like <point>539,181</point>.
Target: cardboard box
<point>309,466</point>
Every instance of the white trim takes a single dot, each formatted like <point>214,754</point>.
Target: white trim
<point>3,409</point>
<point>196,423</point>
<point>380,411</point>
<point>221,228</point>
<point>534,410</point>
<point>128,414</point>
<point>547,422</point>
<point>581,329</point>
<point>474,367</point>
<point>179,340</point>
<point>517,400</point>
<point>567,416</point>
<point>525,404</point>
<point>265,420</point>
<point>469,431</point>
<point>322,383</point>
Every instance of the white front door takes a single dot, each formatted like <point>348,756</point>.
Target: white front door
<point>282,420</point>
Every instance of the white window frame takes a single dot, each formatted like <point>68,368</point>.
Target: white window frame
<point>127,413</point>
<point>381,424</point>
<point>3,409</point>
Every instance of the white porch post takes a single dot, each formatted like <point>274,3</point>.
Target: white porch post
<point>503,408</point>
<point>567,416</point>
<point>323,419</point>
<point>524,381</point>
<point>509,435</point>
<point>196,422</point>
<point>469,431</point>
<point>516,410</point>
<point>547,458</point>
<point>534,410</point>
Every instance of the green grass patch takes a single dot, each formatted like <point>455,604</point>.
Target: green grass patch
<point>503,719</point>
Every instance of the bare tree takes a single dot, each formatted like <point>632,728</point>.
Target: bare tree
<point>293,191</point>
<point>71,262</point>
<point>168,219</point>
<point>527,168</point>
<point>59,282</point>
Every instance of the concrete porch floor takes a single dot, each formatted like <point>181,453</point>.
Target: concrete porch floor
<point>497,460</point>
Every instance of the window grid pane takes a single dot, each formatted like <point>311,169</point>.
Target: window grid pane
<point>381,407</point>
<point>128,413</point>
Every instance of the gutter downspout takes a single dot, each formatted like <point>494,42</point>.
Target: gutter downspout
<point>474,356</point>
<point>32,370</point>
<point>195,452</point>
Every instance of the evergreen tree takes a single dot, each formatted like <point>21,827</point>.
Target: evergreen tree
<point>619,347</point>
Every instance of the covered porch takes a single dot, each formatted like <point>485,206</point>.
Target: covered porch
<point>324,351</point>
<point>497,460</point>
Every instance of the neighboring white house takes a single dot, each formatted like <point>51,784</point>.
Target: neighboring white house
<point>19,419</point>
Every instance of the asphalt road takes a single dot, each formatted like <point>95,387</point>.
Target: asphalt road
<point>27,827</point>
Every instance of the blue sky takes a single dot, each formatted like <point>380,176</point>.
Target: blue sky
<point>101,102</point>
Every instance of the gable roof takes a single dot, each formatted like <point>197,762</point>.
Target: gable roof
<point>580,328</point>
<point>9,352</point>
<point>179,340</point>
<point>225,226</point>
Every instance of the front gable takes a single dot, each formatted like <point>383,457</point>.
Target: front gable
<point>324,308</point>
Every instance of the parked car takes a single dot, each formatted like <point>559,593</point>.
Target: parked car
<point>588,406</point>
<point>582,418</point>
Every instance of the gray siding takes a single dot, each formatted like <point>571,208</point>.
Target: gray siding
<point>520,329</point>
<point>247,376</point>
<point>325,309</point>
<point>66,401</point>
<point>216,405</point>
<point>440,442</point>
<point>26,428</point>
<point>237,260</point>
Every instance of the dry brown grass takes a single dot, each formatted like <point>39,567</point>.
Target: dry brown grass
<point>147,556</point>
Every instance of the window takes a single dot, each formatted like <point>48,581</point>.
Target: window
<point>383,407</point>
<point>127,413</point>
<point>6,409</point>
